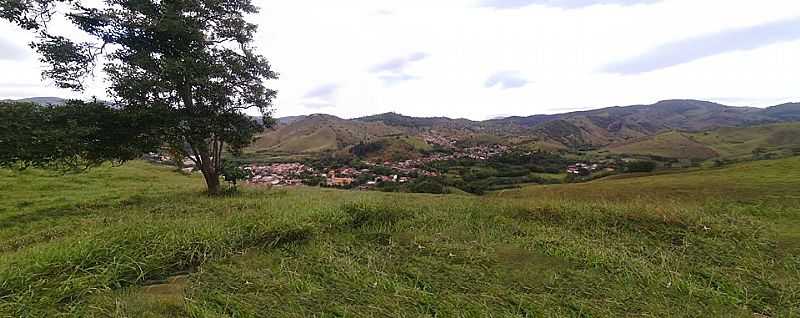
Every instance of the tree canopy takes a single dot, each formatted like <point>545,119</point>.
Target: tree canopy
<point>190,62</point>
<point>75,136</point>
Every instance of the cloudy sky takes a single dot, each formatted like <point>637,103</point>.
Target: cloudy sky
<point>480,59</point>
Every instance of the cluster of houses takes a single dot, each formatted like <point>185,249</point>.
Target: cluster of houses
<point>583,169</point>
<point>291,174</point>
<point>286,174</point>
<point>438,140</point>
<point>482,152</point>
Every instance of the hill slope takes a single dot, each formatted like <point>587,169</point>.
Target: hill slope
<point>315,133</point>
<point>742,142</point>
<point>767,180</point>
<point>728,142</point>
<point>142,241</point>
<point>671,144</point>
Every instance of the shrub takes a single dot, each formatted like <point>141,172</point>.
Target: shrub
<point>640,166</point>
<point>233,173</point>
<point>427,185</point>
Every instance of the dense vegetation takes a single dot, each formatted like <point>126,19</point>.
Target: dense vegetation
<point>142,241</point>
<point>73,136</point>
<point>641,166</point>
<point>504,171</point>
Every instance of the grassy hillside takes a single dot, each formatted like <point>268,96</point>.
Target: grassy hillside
<point>671,145</point>
<point>142,241</point>
<point>741,142</point>
<point>614,125</point>
<point>775,181</point>
<point>729,142</point>
<point>316,133</point>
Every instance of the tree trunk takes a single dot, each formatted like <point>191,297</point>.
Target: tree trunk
<point>212,180</point>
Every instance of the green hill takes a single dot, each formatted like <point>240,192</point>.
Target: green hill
<point>317,133</point>
<point>768,180</point>
<point>671,145</point>
<point>143,241</point>
<point>741,142</point>
<point>728,142</point>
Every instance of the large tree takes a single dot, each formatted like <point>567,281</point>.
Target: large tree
<point>189,61</point>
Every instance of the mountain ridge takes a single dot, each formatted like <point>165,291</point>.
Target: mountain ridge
<point>582,129</point>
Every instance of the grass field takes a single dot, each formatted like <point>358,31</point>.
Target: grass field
<point>142,241</point>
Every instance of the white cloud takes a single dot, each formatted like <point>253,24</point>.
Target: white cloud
<point>687,50</point>
<point>506,80</point>
<point>569,4</point>
<point>434,58</point>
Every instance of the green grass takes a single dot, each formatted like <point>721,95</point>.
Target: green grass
<point>417,143</point>
<point>142,241</point>
<point>671,145</point>
<point>740,142</point>
<point>775,181</point>
<point>728,143</point>
<point>550,176</point>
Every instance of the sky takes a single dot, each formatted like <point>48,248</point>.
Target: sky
<point>481,59</point>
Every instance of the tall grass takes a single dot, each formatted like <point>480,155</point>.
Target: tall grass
<point>110,242</point>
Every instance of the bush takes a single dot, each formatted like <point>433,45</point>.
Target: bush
<point>364,149</point>
<point>427,185</point>
<point>233,173</point>
<point>641,166</point>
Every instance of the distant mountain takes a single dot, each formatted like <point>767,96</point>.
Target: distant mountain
<point>574,130</point>
<point>621,127</point>
<point>611,125</point>
<point>289,119</point>
<point>44,101</point>
<point>785,112</point>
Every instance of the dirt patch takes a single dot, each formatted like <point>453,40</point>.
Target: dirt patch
<point>173,286</point>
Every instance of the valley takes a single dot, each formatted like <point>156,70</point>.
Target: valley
<point>392,151</point>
